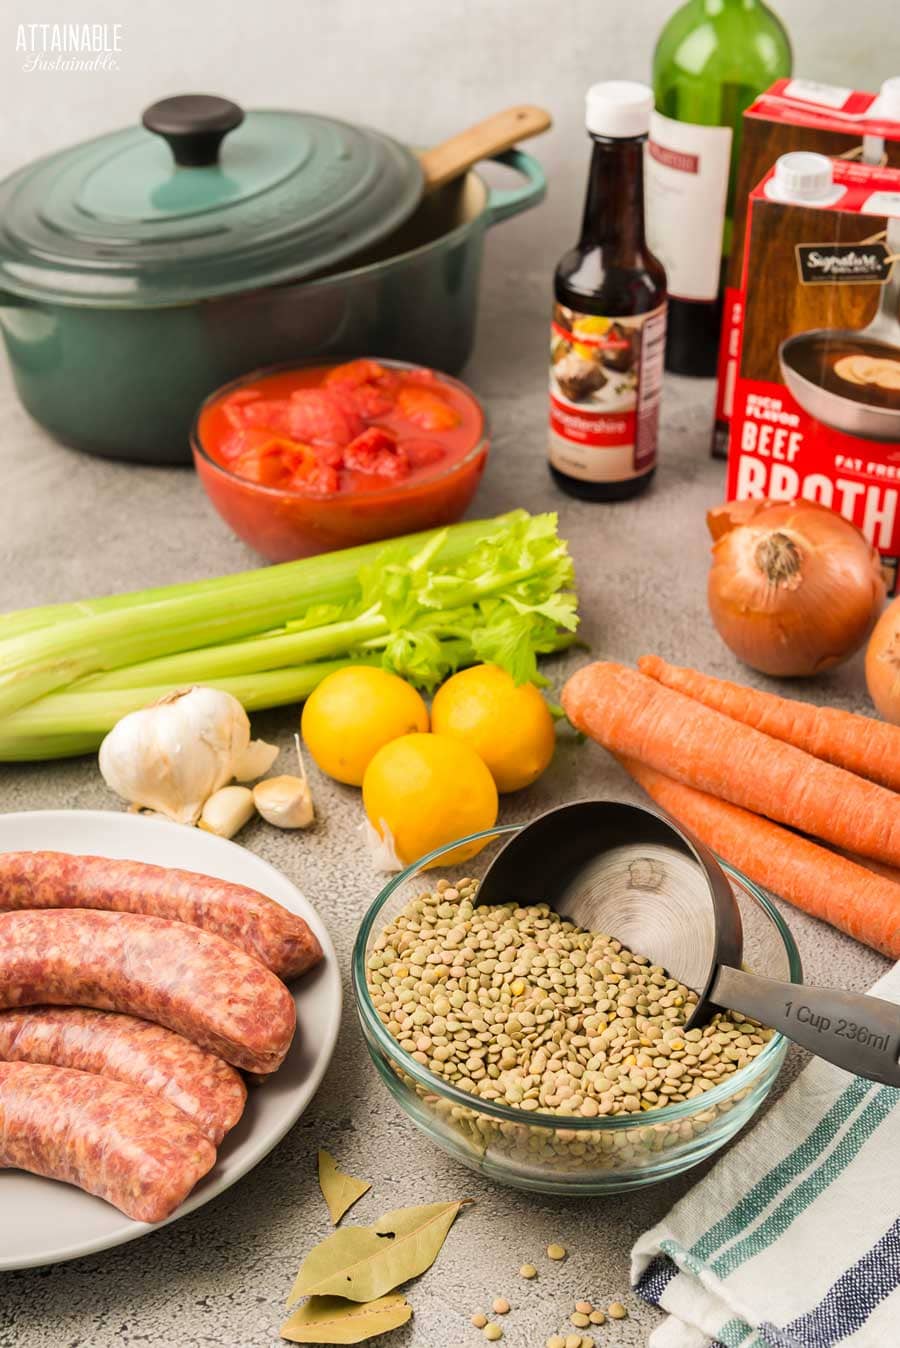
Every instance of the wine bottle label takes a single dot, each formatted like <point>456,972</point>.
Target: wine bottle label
<point>605,385</point>
<point>687,185</point>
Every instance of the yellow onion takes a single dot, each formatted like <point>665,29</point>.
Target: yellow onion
<point>794,588</point>
<point>883,664</point>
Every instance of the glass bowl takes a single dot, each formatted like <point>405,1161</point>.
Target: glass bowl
<point>542,1152</point>
<point>283,525</point>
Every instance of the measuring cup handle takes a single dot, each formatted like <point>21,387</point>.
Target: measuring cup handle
<point>849,1029</point>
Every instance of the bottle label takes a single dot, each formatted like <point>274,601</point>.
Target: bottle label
<point>687,185</point>
<point>605,385</point>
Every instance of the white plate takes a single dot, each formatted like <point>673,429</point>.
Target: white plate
<point>44,1222</point>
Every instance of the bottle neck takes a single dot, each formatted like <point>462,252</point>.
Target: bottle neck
<point>614,208</point>
<point>714,7</point>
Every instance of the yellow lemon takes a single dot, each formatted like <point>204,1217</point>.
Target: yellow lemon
<point>352,713</point>
<point>509,726</point>
<point>427,790</point>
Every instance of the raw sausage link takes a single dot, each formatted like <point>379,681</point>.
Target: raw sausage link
<point>138,1152</point>
<point>188,980</point>
<point>133,1051</point>
<point>260,926</point>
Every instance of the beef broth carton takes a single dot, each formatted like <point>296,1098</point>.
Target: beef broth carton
<point>796,115</point>
<point>816,408</point>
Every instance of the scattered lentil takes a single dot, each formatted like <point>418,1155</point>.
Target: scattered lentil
<point>556,1251</point>
<point>492,1333</point>
<point>556,1341</point>
<point>528,1271</point>
<point>616,1311</point>
<point>579,1320</point>
<point>584,1306</point>
<point>572,1341</point>
<point>522,1007</point>
<point>500,1306</point>
<point>479,1320</point>
<point>597,1318</point>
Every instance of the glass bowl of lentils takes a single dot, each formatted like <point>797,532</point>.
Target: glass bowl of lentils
<point>545,1056</point>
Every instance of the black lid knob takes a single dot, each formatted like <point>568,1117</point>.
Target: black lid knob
<point>194,125</point>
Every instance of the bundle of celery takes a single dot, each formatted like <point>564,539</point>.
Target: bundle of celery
<point>424,605</point>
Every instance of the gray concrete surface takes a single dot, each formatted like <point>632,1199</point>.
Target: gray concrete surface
<point>69,526</point>
<point>72,526</point>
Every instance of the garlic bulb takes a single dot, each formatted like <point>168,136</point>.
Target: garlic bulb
<point>285,802</point>
<point>173,755</point>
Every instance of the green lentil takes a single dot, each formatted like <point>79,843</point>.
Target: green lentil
<point>579,1320</point>
<point>492,1333</point>
<point>509,1013</point>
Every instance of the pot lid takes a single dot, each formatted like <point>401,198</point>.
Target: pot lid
<point>202,200</point>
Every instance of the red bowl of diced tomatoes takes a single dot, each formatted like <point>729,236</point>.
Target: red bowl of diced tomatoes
<point>308,458</point>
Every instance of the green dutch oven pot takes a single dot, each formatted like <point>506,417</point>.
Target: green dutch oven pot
<point>141,270</point>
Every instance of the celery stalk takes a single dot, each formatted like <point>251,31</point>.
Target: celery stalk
<point>65,724</point>
<point>422,606</point>
<point>124,629</point>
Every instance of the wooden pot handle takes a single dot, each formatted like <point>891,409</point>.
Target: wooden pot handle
<point>456,156</point>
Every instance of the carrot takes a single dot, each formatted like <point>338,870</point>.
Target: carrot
<point>858,743</point>
<point>637,717</point>
<point>821,883</point>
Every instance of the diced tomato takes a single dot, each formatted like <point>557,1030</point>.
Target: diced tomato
<point>322,416</point>
<point>355,372</point>
<point>371,387</point>
<point>373,400</point>
<point>234,405</point>
<point>275,463</point>
<point>421,453</point>
<point>425,408</point>
<point>420,375</point>
<point>270,414</point>
<point>321,481</point>
<point>377,451</point>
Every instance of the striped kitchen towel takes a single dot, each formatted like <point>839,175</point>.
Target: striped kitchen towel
<point>793,1238</point>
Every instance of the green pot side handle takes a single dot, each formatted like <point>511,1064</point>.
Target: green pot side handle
<point>504,202</point>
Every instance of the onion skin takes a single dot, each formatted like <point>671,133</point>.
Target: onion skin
<point>794,588</point>
<point>883,664</point>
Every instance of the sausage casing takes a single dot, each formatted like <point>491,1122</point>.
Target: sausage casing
<point>257,924</point>
<point>135,1052</point>
<point>186,979</point>
<point>135,1150</point>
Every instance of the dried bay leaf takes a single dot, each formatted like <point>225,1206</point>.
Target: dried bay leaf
<point>340,1191</point>
<point>364,1262</point>
<point>333,1320</point>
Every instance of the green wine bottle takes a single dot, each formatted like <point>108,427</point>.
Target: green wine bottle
<point>712,59</point>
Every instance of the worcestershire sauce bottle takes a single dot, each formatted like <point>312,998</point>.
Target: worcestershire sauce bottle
<point>608,335</point>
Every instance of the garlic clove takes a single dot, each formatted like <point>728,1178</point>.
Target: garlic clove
<point>285,801</point>
<point>382,848</point>
<point>255,761</point>
<point>174,754</point>
<point>227,811</point>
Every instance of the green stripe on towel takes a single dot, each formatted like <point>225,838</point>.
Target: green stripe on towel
<point>734,1333</point>
<point>730,1226</point>
<point>806,1193</point>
